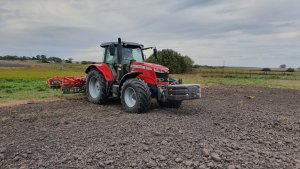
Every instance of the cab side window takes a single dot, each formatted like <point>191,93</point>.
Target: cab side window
<point>109,58</point>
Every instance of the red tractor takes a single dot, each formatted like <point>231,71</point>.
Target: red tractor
<point>124,74</point>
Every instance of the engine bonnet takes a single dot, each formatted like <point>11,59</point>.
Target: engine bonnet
<point>149,66</point>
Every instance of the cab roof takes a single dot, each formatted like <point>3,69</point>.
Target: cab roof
<point>133,44</point>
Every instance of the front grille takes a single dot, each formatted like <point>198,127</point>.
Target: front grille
<point>162,77</point>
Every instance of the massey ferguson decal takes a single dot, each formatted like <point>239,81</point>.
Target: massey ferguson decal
<point>140,67</point>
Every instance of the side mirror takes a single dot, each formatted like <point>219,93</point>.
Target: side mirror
<point>155,53</point>
<point>112,50</point>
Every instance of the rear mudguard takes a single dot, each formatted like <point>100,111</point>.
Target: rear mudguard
<point>104,69</point>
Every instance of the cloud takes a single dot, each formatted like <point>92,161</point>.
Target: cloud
<point>239,33</point>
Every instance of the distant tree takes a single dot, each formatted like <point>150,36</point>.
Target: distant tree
<point>23,58</point>
<point>10,57</point>
<point>283,66</point>
<point>171,59</point>
<point>69,60</point>
<point>266,69</point>
<point>196,66</point>
<point>189,63</point>
<point>43,57</point>
<point>290,70</point>
<point>55,59</point>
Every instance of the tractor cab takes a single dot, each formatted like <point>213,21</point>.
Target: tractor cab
<point>126,59</point>
<point>118,57</point>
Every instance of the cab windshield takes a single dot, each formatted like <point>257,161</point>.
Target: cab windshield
<point>128,54</point>
<point>132,54</point>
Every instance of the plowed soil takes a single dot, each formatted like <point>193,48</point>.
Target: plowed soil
<point>231,127</point>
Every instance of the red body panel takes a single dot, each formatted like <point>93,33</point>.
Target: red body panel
<point>147,70</point>
<point>105,70</point>
<point>148,73</point>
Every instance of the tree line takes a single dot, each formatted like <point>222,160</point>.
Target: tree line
<point>42,59</point>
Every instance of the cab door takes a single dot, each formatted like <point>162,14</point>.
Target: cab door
<point>111,61</point>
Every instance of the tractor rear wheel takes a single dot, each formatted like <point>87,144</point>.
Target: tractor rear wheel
<point>96,87</point>
<point>135,96</point>
<point>170,103</point>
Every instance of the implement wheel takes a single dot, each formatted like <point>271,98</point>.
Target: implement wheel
<point>135,96</point>
<point>96,87</point>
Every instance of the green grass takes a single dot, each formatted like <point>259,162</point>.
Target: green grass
<point>42,73</point>
<point>30,83</point>
<point>242,76</point>
<point>23,89</point>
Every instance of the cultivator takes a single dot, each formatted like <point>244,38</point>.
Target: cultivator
<point>70,84</point>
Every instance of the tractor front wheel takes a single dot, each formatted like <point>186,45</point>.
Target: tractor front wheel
<point>135,96</point>
<point>96,87</point>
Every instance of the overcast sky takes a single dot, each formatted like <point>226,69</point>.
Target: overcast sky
<point>262,33</point>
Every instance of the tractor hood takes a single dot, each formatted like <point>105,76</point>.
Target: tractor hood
<point>150,66</point>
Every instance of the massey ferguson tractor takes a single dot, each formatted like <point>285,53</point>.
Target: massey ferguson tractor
<point>124,74</point>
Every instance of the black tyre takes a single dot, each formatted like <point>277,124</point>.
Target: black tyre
<point>135,96</point>
<point>96,87</point>
<point>170,103</point>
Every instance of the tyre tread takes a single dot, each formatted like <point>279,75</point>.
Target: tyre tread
<point>144,96</point>
<point>103,98</point>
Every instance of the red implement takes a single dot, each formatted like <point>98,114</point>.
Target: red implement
<point>69,84</point>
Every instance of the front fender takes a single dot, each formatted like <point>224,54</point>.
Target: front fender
<point>104,70</point>
<point>128,76</point>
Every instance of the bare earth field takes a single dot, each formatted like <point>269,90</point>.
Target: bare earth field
<point>230,127</point>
